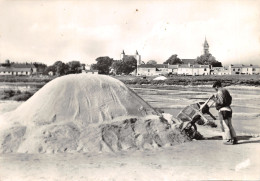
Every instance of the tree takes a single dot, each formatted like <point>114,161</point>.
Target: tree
<point>173,60</point>
<point>41,67</point>
<point>103,64</point>
<point>93,66</point>
<point>151,62</point>
<point>129,64</point>
<point>73,67</point>
<point>208,59</point>
<point>117,67</point>
<point>126,66</point>
<point>49,69</point>
<point>60,68</point>
<point>6,64</point>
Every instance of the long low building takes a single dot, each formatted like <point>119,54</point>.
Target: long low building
<point>236,69</point>
<point>18,69</point>
<point>152,69</point>
<point>195,69</point>
<point>163,69</point>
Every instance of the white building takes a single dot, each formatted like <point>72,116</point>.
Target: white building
<point>18,69</point>
<point>193,69</point>
<point>220,70</point>
<point>173,69</point>
<point>244,69</point>
<point>146,70</point>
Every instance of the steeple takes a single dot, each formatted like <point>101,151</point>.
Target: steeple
<point>136,52</point>
<point>206,47</point>
<point>122,55</point>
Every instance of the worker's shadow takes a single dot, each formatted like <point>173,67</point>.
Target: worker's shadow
<point>241,139</point>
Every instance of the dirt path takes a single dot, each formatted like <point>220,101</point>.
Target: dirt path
<point>207,159</point>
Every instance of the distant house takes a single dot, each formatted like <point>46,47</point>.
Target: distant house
<point>244,69</point>
<point>173,69</point>
<point>146,69</point>
<point>161,69</point>
<point>18,69</point>
<point>220,70</point>
<point>196,69</point>
<point>50,73</point>
<point>152,69</point>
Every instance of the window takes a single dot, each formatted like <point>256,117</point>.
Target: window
<point>148,70</point>
<point>26,73</point>
<point>238,69</point>
<point>234,69</point>
<point>253,69</point>
<point>205,69</point>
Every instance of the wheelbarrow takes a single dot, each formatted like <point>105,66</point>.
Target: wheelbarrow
<point>200,108</point>
<point>192,114</point>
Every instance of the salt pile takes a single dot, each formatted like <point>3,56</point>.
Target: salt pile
<point>160,78</point>
<point>85,113</point>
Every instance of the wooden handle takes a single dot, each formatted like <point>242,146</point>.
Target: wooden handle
<point>203,105</point>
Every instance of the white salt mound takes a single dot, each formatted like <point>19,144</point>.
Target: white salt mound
<point>160,78</point>
<point>84,113</point>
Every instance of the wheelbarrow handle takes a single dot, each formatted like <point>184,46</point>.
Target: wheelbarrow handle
<point>203,105</point>
<point>213,117</point>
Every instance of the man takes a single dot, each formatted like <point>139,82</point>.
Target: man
<point>223,101</point>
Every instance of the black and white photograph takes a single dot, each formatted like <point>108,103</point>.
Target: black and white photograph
<point>120,90</point>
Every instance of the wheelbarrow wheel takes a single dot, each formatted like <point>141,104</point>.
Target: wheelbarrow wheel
<point>190,130</point>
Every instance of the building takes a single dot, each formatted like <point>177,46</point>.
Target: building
<point>196,69</point>
<point>220,70</point>
<point>173,69</point>
<point>244,69</point>
<point>152,69</point>
<point>181,69</point>
<point>206,47</point>
<point>146,70</point>
<point>161,69</point>
<point>136,56</point>
<point>17,69</point>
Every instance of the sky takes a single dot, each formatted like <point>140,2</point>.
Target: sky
<point>47,31</point>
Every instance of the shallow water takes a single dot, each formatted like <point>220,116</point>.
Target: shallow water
<point>245,103</point>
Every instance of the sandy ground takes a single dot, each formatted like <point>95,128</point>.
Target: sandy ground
<point>206,159</point>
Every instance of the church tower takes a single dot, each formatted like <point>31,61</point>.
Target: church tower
<point>206,47</point>
<point>138,58</point>
<point>122,55</point>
